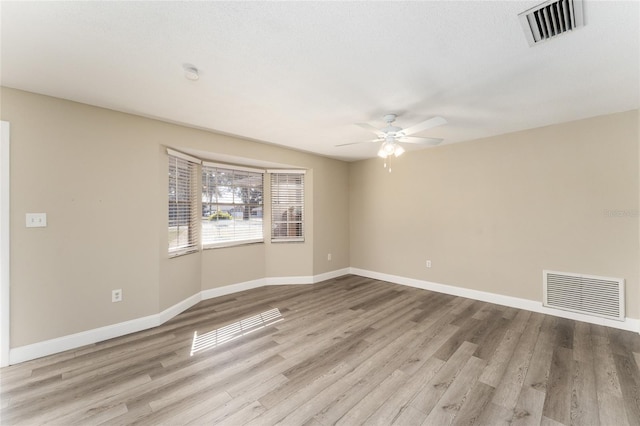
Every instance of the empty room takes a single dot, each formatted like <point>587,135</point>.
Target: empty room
<point>319,213</point>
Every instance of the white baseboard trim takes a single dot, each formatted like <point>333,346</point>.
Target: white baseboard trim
<point>88,337</point>
<point>330,275</point>
<point>174,310</point>
<point>630,324</point>
<point>289,280</point>
<point>232,288</point>
<point>73,341</point>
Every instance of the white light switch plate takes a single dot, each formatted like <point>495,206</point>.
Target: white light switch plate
<point>36,220</point>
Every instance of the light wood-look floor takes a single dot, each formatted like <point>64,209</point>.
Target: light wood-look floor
<point>347,351</point>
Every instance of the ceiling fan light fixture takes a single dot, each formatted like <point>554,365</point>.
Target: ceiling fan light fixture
<point>391,136</point>
<point>389,147</point>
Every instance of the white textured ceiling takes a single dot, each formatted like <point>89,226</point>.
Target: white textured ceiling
<point>299,74</point>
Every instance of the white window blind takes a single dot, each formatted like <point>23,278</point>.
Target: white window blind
<point>231,205</point>
<point>183,205</point>
<point>287,206</point>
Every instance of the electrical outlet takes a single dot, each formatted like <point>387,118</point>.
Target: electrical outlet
<point>329,256</point>
<point>428,264</point>
<point>116,295</point>
<point>36,220</point>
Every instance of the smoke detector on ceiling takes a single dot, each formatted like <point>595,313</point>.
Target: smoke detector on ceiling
<point>191,72</point>
<point>551,19</point>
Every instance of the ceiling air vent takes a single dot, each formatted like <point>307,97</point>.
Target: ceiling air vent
<point>550,19</point>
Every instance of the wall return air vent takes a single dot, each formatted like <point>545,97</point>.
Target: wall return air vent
<point>550,19</point>
<point>585,294</point>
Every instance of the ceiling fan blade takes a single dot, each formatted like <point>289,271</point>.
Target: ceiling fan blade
<point>421,141</point>
<point>356,143</point>
<point>370,128</point>
<point>428,124</point>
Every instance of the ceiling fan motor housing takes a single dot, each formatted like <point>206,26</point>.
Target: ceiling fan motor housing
<point>390,118</point>
<point>391,130</point>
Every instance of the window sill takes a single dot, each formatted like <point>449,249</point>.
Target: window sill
<point>232,244</point>
<point>180,253</point>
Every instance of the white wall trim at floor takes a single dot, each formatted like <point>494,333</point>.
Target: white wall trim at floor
<point>174,310</point>
<point>330,275</point>
<point>61,344</point>
<point>629,324</point>
<point>73,341</point>
<point>289,280</point>
<point>232,288</point>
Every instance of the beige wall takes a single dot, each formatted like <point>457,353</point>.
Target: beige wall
<point>332,226</point>
<point>233,265</point>
<point>492,214</point>
<point>97,185</point>
<point>101,177</point>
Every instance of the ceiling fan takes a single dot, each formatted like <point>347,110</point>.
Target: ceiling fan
<point>391,135</point>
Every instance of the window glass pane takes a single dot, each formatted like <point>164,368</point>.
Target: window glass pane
<point>287,207</point>
<point>183,233</point>
<point>231,206</point>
